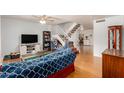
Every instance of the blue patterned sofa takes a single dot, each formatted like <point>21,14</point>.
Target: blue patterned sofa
<point>40,67</point>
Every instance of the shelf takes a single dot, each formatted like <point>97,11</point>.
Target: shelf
<point>46,40</point>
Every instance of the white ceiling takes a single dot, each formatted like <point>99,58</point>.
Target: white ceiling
<point>85,20</point>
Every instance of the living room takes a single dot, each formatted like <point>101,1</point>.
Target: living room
<point>91,63</point>
<point>13,27</point>
<point>23,39</point>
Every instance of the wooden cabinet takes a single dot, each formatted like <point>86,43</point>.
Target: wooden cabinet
<point>113,63</point>
<point>115,37</point>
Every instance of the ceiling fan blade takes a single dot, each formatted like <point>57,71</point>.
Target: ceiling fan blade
<point>44,17</point>
<point>47,19</point>
<point>36,16</point>
<point>53,18</point>
<point>50,20</point>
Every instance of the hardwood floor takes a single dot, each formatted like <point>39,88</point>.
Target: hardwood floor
<point>12,60</point>
<point>86,65</point>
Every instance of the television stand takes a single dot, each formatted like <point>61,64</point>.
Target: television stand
<point>29,48</point>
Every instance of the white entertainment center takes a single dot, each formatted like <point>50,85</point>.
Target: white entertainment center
<point>29,48</point>
<point>29,44</point>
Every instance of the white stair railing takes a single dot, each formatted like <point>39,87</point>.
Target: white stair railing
<point>75,28</point>
<point>60,39</point>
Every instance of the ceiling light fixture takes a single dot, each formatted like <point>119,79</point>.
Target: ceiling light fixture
<point>42,21</point>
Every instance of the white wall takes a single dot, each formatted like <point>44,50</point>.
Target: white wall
<point>0,39</point>
<point>101,33</point>
<point>100,38</point>
<point>56,29</point>
<point>67,26</point>
<point>12,30</point>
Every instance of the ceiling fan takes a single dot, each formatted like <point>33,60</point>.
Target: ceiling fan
<point>45,19</point>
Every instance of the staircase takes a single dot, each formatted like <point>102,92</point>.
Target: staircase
<point>66,36</point>
<point>60,39</point>
<point>75,28</point>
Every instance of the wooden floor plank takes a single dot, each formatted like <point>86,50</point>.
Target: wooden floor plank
<point>86,65</point>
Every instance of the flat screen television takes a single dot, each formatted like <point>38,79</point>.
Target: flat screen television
<point>29,38</point>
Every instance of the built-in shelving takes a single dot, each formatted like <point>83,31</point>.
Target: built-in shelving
<point>47,40</point>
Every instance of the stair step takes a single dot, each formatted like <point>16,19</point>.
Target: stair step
<point>73,30</point>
